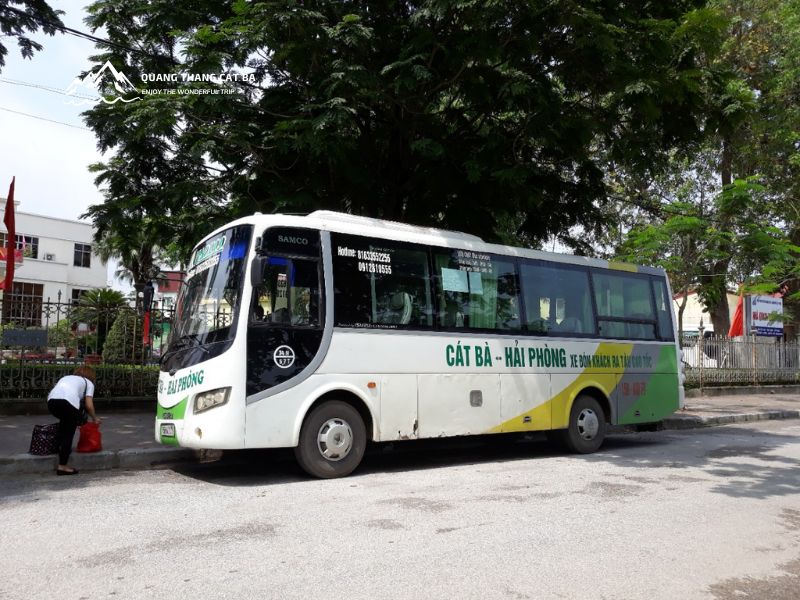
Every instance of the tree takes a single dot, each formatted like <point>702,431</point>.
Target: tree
<point>124,342</point>
<point>26,16</point>
<point>748,226</point>
<point>99,308</point>
<point>697,231</point>
<point>457,114</point>
<point>130,241</point>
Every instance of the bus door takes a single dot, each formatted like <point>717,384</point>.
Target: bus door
<point>287,311</point>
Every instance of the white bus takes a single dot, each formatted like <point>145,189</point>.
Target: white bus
<point>329,331</point>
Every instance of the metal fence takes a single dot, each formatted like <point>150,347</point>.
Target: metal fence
<point>42,341</point>
<point>746,360</point>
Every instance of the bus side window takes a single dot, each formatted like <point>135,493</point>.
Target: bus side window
<point>624,306</point>
<point>663,310</point>
<point>476,291</point>
<point>289,294</point>
<point>557,299</point>
<point>380,283</point>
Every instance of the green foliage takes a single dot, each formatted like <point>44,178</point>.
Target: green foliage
<point>19,17</point>
<point>35,380</point>
<point>449,113</point>
<point>742,182</point>
<point>692,238</point>
<point>124,342</point>
<point>98,308</point>
<point>61,334</point>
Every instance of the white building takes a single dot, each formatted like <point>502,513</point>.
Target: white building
<point>694,312</point>
<point>58,257</point>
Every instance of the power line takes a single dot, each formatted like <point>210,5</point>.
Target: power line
<point>46,88</point>
<point>80,34</point>
<point>43,118</point>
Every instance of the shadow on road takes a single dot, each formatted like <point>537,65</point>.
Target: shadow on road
<point>741,462</point>
<point>737,461</point>
<point>268,467</point>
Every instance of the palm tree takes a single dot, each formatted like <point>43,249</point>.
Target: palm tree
<point>136,254</point>
<point>99,308</point>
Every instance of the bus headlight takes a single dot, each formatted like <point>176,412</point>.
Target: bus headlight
<point>210,399</point>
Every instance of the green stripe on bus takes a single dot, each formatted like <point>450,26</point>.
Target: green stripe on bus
<point>174,412</point>
<point>661,392</point>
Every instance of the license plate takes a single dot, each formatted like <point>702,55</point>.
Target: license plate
<point>168,429</point>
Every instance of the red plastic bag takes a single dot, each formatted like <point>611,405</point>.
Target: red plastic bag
<point>90,439</point>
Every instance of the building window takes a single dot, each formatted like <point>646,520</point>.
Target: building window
<point>27,243</point>
<point>83,255</point>
<point>77,295</point>
<point>23,306</point>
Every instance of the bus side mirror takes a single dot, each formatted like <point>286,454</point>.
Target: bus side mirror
<point>257,270</point>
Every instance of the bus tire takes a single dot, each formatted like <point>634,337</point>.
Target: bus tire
<point>587,426</point>
<point>332,440</point>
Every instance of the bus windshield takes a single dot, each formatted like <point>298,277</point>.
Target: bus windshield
<point>209,300</point>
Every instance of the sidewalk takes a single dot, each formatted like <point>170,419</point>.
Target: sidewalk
<point>128,443</point>
<point>706,411</point>
<point>128,438</point>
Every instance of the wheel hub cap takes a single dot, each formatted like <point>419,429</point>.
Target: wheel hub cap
<point>335,439</point>
<point>588,424</point>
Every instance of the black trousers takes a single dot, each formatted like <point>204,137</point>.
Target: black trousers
<point>67,416</point>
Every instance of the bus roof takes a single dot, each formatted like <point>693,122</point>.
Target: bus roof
<point>327,220</point>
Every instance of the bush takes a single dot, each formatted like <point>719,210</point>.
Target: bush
<point>35,380</point>
<point>124,342</point>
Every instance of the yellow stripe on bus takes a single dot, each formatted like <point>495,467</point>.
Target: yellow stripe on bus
<point>554,413</point>
<point>620,266</point>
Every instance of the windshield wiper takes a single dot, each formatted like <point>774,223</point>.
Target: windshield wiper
<point>187,340</point>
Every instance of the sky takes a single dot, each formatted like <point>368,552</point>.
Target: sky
<point>49,160</point>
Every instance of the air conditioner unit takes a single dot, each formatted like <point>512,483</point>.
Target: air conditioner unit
<point>50,257</point>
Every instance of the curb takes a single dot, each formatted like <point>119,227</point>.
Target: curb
<point>138,458</point>
<point>742,390</point>
<point>696,421</point>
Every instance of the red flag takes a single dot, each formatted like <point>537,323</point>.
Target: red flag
<point>11,237</point>
<point>737,324</point>
<point>146,327</point>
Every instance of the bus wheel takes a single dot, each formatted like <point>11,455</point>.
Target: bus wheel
<point>587,426</point>
<point>332,440</point>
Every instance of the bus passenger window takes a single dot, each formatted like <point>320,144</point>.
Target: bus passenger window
<point>380,283</point>
<point>476,291</point>
<point>663,311</point>
<point>624,306</point>
<point>557,299</point>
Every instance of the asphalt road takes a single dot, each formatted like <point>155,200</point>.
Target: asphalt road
<point>711,513</point>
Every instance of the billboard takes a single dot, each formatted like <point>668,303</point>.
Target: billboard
<point>764,315</point>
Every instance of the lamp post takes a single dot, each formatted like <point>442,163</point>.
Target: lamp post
<point>701,359</point>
